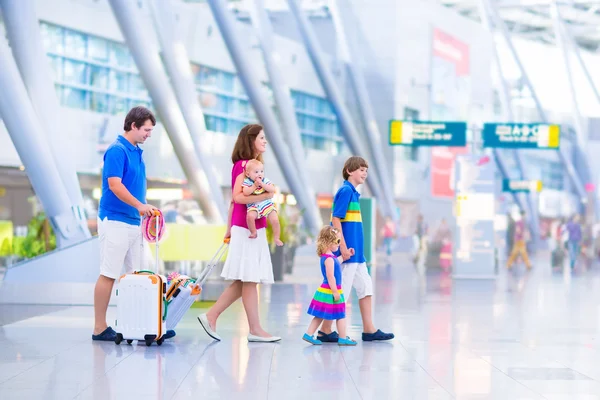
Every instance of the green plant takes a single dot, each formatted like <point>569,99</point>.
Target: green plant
<point>40,238</point>
<point>290,233</point>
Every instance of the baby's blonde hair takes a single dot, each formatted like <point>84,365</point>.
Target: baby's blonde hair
<point>327,237</point>
<point>252,163</point>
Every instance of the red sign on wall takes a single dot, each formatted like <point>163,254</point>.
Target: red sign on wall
<point>442,170</point>
<point>449,48</point>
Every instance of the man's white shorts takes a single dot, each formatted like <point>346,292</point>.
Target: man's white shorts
<point>356,275</point>
<point>120,248</point>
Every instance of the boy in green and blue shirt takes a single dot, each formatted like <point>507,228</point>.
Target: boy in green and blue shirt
<point>347,219</point>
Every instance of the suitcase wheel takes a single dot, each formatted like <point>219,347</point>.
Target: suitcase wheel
<point>129,341</point>
<point>160,341</point>
<point>119,338</point>
<point>149,339</point>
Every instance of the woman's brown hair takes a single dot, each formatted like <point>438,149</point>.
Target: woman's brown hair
<point>244,146</point>
<point>327,237</point>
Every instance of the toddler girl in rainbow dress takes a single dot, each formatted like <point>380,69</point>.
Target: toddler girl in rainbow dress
<point>328,302</point>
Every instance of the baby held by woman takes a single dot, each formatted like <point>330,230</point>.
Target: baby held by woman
<point>256,183</point>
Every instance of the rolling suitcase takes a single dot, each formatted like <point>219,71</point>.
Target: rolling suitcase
<point>183,290</point>
<point>142,303</point>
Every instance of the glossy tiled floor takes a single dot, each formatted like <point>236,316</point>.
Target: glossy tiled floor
<point>528,335</point>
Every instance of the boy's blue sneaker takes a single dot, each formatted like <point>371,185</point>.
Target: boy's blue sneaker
<point>170,334</point>
<point>310,339</point>
<point>379,335</point>
<point>328,338</point>
<point>346,342</point>
<point>109,335</point>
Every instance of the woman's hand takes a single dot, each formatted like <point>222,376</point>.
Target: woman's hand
<point>227,234</point>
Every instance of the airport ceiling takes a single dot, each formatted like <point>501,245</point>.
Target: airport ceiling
<point>532,19</point>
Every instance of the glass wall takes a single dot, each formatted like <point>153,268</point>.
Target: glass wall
<point>318,123</point>
<point>93,73</point>
<point>97,74</point>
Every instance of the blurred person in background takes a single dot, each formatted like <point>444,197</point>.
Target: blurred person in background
<point>520,238</point>
<point>575,236</point>
<point>389,234</point>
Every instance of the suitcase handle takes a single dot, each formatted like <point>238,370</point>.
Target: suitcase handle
<point>220,252</point>
<point>145,271</point>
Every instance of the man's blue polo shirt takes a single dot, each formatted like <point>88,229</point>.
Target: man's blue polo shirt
<point>123,160</point>
<point>346,207</point>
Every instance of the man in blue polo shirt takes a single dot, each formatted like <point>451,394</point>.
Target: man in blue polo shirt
<point>123,201</point>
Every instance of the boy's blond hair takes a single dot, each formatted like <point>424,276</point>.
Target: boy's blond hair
<point>352,164</point>
<point>327,237</point>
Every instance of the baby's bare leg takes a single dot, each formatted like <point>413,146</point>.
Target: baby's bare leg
<point>274,220</point>
<point>251,217</point>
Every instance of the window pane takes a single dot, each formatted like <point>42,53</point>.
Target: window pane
<point>136,86</point>
<point>56,64</point>
<point>99,77</point>
<point>118,105</point>
<point>119,55</point>
<point>75,44</point>
<point>98,49</point>
<point>99,102</point>
<point>227,82</point>
<point>244,109</point>
<point>75,98</point>
<point>75,72</point>
<point>118,81</point>
<point>210,122</point>
<point>207,77</point>
<point>52,37</point>
<point>224,104</point>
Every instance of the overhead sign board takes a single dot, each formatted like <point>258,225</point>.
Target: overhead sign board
<point>520,186</point>
<point>428,133</point>
<point>521,136</point>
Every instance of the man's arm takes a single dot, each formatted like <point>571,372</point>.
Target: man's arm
<point>116,186</point>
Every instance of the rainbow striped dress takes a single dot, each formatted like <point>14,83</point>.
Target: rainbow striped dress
<point>323,305</point>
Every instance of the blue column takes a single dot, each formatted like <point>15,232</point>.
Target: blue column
<point>534,219</point>
<point>251,83</point>
<point>147,59</point>
<point>366,110</point>
<point>283,100</point>
<point>22,27</point>
<point>27,134</point>
<point>564,157</point>
<point>348,127</point>
<point>177,63</point>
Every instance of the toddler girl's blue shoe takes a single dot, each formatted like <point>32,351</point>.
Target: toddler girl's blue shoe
<point>311,340</point>
<point>346,342</point>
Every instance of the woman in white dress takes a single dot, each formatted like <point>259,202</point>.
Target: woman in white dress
<point>248,260</point>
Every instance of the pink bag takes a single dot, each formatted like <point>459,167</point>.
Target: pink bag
<point>153,227</point>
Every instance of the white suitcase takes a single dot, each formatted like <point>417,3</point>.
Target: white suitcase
<point>141,308</point>
<point>142,305</point>
<point>183,291</point>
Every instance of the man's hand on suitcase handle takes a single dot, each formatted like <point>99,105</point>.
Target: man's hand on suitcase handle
<point>147,210</point>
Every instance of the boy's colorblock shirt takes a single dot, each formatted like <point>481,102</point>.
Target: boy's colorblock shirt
<point>346,207</point>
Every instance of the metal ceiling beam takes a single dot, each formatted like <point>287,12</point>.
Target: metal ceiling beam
<point>499,23</point>
<point>534,220</point>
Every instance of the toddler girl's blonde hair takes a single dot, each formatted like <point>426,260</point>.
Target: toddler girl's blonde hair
<point>327,237</point>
